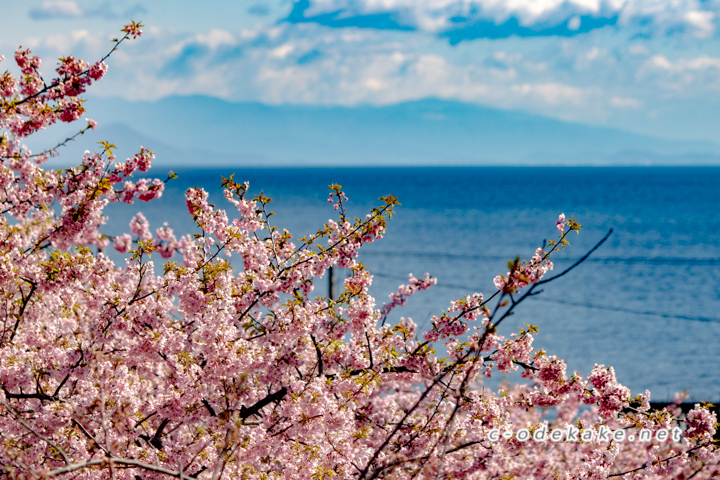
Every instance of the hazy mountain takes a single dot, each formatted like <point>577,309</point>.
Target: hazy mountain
<point>207,131</point>
<point>128,142</point>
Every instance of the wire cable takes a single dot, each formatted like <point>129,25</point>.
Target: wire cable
<point>679,261</point>
<point>576,304</point>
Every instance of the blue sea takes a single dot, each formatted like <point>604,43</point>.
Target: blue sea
<point>647,302</point>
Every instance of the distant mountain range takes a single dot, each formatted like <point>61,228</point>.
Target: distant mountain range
<point>204,131</point>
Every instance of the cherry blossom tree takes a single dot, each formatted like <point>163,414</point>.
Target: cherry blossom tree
<point>199,368</point>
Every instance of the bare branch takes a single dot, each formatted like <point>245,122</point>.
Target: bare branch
<point>580,260</point>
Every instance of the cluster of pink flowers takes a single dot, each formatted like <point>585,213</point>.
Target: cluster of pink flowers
<point>199,368</point>
<point>607,393</point>
<point>29,103</point>
<point>336,197</point>
<point>525,273</point>
<point>399,298</point>
<point>561,223</point>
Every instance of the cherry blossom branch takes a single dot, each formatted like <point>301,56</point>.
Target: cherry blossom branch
<point>49,151</point>
<point>35,432</point>
<point>87,434</point>
<point>579,261</point>
<point>107,461</point>
<point>530,292</point>
<point>206,357</point>
<point>86,72</point>
<point>25,301</point>
<point>646,464</point>
<point>418,402</point>
<point>260,404</point>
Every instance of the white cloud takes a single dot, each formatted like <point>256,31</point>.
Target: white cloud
<point>638,49</point>
<point>55,9</point>
<point>579,78</point>
<point>347,68</point>
<point>555,93</point>
<point>282,51</point>
<point>660,61</point>
<point>574,23</point>
<point>621,102</point>
<point>686,64</point>
<point>685,76</point>
<point>702,21</point>
<point>216,37</point>
<point>436,14</point>
<point>441,15</point>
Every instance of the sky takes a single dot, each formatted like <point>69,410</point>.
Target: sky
<point>646,66</point>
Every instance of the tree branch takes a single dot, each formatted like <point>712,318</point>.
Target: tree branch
<point>580,260</point>
<point>34,432</point>
<point>259,405</point>
<point>647,464</point>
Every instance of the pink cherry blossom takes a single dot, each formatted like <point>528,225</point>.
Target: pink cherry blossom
<point>177,363</point>
<point>561,223</point>
<point>122,243</point>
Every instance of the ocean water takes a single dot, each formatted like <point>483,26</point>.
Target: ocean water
<point>647,302</point>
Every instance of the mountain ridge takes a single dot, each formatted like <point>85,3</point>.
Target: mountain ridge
<point>207,131</point>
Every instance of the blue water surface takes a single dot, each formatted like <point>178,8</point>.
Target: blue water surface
<point>647,302</point>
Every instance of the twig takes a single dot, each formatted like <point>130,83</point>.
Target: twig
<point>580,260</point>
<point>647,464</point>
<point>87,434</point>
<point>34,432</point>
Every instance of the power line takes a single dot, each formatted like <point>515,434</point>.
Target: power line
<point>441,285</point>
<point>679,261</point>
<point>578,304</point>
<point>628,310</point>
